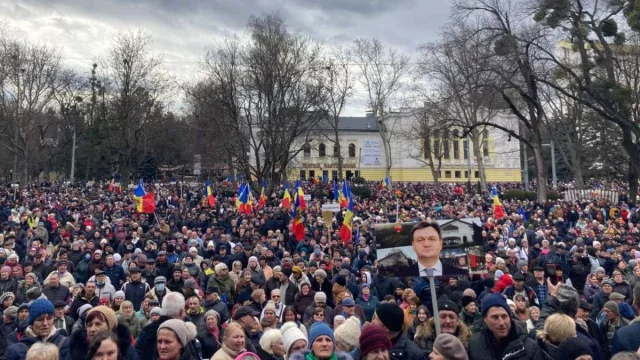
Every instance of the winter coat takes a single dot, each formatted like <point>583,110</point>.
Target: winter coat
<point>60,293</point>
<point>626,338</point>
<point>302,302</point>
<point>80,300</point>
<point>624,289</point>
<point>426,335</point>
<point>133,323</point>
<point>209,343</point>
<point>471,320</point>
<point>135,291</point>
<point>519,346</point>
<point>328,314</point>
<point>18,351</point>
<point>225,286</point>
<point>106,291</point>
<point>79,346</point>
<point>21,295</point>
<point>598,302</point>
<point>9,285</point>
<point>590,292</point>
<point>82,271</point>
<point>224,353</point>
<point>369,307</point>
<point>302,355</point>
<point>146,346</point>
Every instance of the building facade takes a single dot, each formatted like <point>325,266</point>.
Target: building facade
<point>363,153</point>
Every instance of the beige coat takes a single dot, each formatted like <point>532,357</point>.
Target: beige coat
<point>224,353</point>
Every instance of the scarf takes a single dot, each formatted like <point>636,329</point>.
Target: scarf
<point>230,352</point>
<point>311,356</point>
<point>365,297</point>
<point>215,333</point>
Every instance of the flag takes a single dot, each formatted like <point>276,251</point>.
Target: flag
<point>498,211</point>
<point>286,198</point>
<point>385,183</point>
<point>298,222</point>
<point>342,198</point>
<point>300,196</point>
<point>346,229</point>
<point>251,203</point>
<point>523,214</point>
<point>336,192</point>
<point>242,202</point>
<point>145,202</point>
<point>211,200</point>
<point>229,180</point>
<point>112,184</point>
<point>263,199</point>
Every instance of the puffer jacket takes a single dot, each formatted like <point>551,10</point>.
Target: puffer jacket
<point>9,285</point>
<point>302,302</point>
<point>519,346</point>
<point>133,323</point>
<point>79,346</point>
<point>369,307</point>
<point>18,351</point>
<point>624,289</point>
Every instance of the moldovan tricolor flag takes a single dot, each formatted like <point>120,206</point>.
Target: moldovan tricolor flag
<point>286,198</point>
<point>346,230</point>
<point>145,202</point>
<point>211,200</point>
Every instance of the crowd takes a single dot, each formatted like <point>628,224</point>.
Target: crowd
<point>83,276</point>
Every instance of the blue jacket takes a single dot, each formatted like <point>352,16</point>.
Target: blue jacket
<point>19,350</point>
<point>626,338</point>
<point>115,275</point>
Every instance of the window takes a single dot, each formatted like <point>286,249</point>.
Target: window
<point>325,174</point>
<point>306,149</point>
<point>352,150</point>
<point>303,174</point>
<point>336,150</point>
<point>312,174</point>
<point>447,174</point>
<point>465,149</point>
<point>334,174</point>
<point>322,150</point>
<point>476,174</point>
<point>357,173</point>
<point>458,174</point>
<point>456,149</point>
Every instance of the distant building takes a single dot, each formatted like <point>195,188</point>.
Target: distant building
<point>363,152</point>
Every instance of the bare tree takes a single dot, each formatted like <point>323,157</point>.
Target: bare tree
<point>268,96</point>
<point>504,29</point>
<point>381,70</point>
<point>134,89</point>
<point>28,74</point>
<point>458,64</point>
<point>338,87</point>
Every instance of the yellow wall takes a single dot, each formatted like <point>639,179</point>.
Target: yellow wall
<point>424,174</point>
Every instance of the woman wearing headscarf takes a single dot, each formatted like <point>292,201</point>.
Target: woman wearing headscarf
<point>303,299</point>
<point>100,318</point>
<point>322,345</point>
<point>173,341</point>
<point>368,301</point>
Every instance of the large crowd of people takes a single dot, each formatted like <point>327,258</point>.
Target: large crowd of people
<point>84,276</point>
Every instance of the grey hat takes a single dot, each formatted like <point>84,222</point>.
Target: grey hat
<point>155,310</point>
<point>83,309</point>
<point>616,296</point>
<point>160,279</point>
<point>11,312</point>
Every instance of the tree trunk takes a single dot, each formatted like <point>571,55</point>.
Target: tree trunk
<point>340,159</point>
<point>541,172</point>
<point>633,177</point>
<point>479,160</point>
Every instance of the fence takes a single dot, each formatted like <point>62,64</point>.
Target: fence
<point>595,194</point>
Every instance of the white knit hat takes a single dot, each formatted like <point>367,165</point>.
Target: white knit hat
<point>185,331</point>
<point>219,267</point>
<point>290,334</point>
<point>348,333</point>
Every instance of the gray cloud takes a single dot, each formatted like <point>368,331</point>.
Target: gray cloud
<point>182,29</point>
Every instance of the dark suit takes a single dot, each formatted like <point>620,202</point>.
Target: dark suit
<point>414,270</point>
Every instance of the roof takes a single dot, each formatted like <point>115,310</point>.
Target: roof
<point>366,123</point>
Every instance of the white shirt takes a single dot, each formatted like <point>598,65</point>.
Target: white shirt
<point>437,269</point>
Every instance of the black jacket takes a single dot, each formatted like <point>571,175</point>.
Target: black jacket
<point>79,301</point>
<point>135,291</point>
<point>146,347</point>
<point>518,346</point>
<point>209,344</point>
<point>79,346</point>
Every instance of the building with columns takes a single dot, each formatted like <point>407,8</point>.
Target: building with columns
<point>363,152</point>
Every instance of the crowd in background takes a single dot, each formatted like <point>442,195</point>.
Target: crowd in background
<point>83,275</point>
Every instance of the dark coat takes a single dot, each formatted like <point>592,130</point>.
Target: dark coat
<point>302,302</point>
<point>626,338</point>
<point>79,347</point>
<point>209,344</point>
<point>302,355</point>
<point>60,293</point>
<point>9,285</point>
<point>519,346</point>
<point>18,351</point>
<point>79,301</point>
<point>146,347</point>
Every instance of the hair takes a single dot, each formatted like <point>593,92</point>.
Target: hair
<point>232,326</point>
<point>625,355</point>
<point>406,293</point>
<point>317,310</point>
<point>424,225</point>
<point>124,303</point>
<point>173,305</point>
<point>97,340</point>
<point>558,328</point>
<point>288,309</point>
<point>43,351</point>
<point>95,314</point>
<point>269,338</point>
<point>256,294</point>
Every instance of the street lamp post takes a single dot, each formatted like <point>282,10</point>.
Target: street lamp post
<point>554,180</point>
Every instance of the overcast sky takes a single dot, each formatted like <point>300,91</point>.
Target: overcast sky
<point>182,29</point>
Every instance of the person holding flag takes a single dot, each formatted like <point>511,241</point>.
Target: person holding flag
<point>300,196</point>
<point>145,202</point>
<point>498,211</point>
<point>298,221</point>
<point>385,183</point>
<point>242,203</point>
<point>343,196</point>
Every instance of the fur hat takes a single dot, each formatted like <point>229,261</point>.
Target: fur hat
<point>185,331</point>
<point>321,273</point>
<point>348,333</point>
<point>391,316</point>
<point>219,267</point>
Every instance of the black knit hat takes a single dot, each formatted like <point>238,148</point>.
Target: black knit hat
<point>391,316</point>
<point>488,283</point>
<point>448,305</point>
<point>466,300</point>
